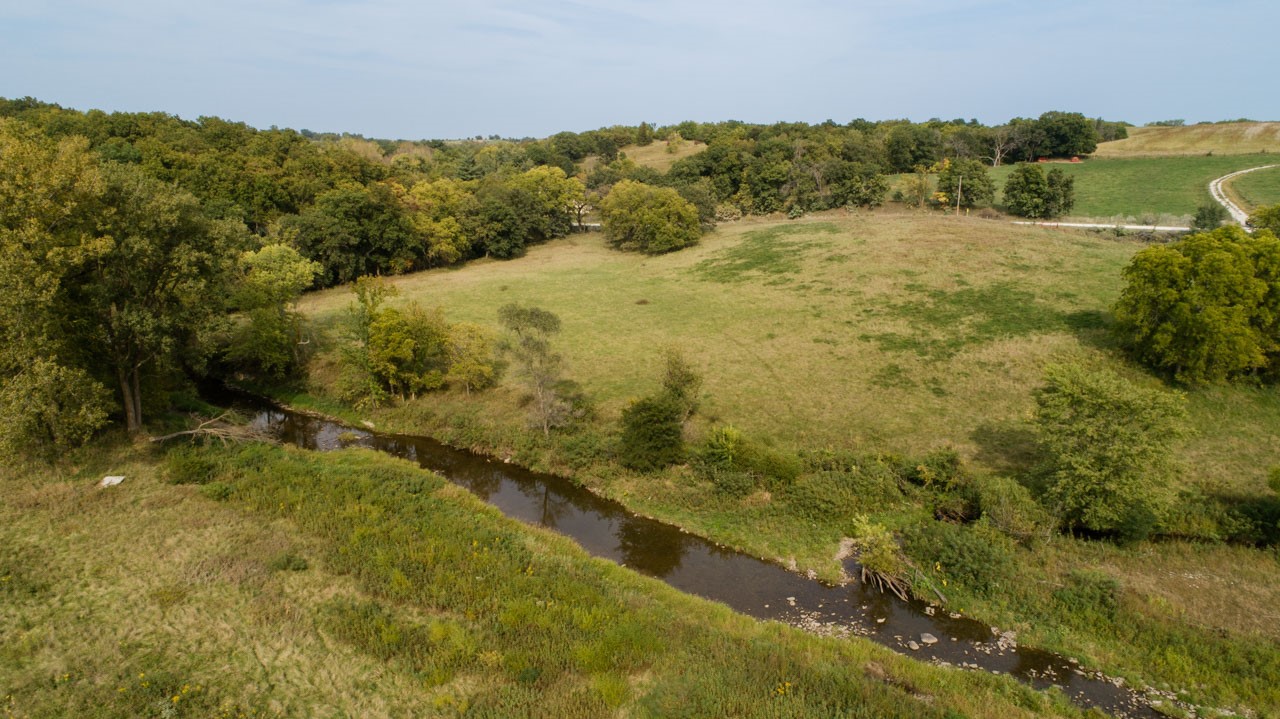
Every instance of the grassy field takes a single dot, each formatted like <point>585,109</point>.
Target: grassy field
<point>1143,189</point>
<point>1231,138</point>
<point>1256,189</point>
<point>902,332</point>
<point>880,334</point>
<point>298,585</point>
<point>656,156</point>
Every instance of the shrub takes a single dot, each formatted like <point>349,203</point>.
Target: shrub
<point>584,449</point>
<point>1196,516</point>
<point>681,382</point>
<point>1089,597</point>
<point>721,449</point>
<point>976,556</point>
<point>652,434</point>
<point>1209,217</point>
<point>821,497</point>
<point>1029,192</point>
<point>733,483</point>
<point>189,465</point>
<point>727,450</point>
<point>1009,507</point>
<point>940,468</point>
<point>1266,218</point>
<point>49,408</point>
<point>881,558</point>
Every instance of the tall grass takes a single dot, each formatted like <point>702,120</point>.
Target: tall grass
<point>415,600</point>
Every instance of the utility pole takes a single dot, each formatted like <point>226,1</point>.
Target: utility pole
<point>959,192</point>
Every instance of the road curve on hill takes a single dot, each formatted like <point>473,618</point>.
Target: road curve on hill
<point>1215,188</point>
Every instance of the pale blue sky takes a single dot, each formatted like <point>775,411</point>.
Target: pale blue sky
<point>424,69</point>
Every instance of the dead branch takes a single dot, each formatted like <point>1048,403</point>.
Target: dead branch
<point>219,428</point>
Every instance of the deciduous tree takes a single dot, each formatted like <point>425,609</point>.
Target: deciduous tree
<point>648,219</point>
<point>1205,308</point>
<point>966,183</point>
<point>1108,449</point>
<point>528,344</point>
<point>1266,218</point>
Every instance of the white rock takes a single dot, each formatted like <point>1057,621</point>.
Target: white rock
<point>110,481</point>
<point>912,646</point>
<point>928,638</point>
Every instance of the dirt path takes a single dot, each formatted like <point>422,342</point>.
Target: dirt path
<point>1219,193</point>
<point>1108,226</point>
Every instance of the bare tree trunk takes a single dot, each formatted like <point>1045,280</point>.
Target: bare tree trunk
<point>131,414</point>
<point>137,397</point>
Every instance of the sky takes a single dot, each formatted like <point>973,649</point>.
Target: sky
<point>424,69</point>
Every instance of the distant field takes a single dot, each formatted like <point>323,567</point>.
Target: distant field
<point>894,332</point>
<point>1257,188</point>
<point>655,155</point>
<point>1145,188</point>
<point>1234,138</point>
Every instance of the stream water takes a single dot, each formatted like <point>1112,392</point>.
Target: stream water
<point>697,566</point>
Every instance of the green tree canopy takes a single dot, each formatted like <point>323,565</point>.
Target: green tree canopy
<point>1266,218</point>
<point>648,219</point>
<point>1107,445</point>
<point>1029,192</point>
<point>355,230</point>
<point>269,282</point>
<point>1205,308</point>
<point>967,180</point>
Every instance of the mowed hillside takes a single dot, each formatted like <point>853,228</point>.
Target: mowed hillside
<point>1228,138</point>
<point>887,331</point>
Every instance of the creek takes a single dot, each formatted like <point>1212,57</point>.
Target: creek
<point>698,566</point>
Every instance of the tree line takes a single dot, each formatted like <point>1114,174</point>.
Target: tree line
<point>360,206</point>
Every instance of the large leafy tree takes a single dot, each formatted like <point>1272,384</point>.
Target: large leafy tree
<point>1029,192</point>
<point>109,275</point>
<point>1206,308</point>
<point>158,276</point>
<point>49,191</point>
<point>531,207</point>
<point>1068,133</point>
<point>648,219</point>
<point>268,284</point>
<point>441,213</point>
<point>966,183</point>
<point>1107,445</point>
<point>355,230</point>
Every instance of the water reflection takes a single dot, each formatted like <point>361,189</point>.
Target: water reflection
<point>692,564</point>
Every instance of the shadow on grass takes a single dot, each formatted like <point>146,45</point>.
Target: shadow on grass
<point>1094,328</point>
<point>1006,447</point>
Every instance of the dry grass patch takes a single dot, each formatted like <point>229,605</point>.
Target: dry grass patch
<point>1230,138</point>
<point>146,589</point>
<point>657,156</point>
